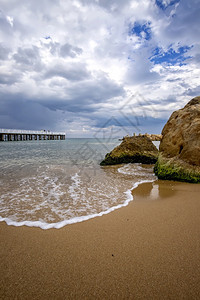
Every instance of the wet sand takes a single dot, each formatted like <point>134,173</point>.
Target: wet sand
<point>147,250</point>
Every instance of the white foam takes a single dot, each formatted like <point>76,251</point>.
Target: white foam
<point>75,190</point>
<point>32,194</point>
<point>134,169</point>
<point>44,225</point>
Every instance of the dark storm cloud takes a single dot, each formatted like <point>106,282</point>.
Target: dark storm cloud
<point>30,112</point>
<point>16,111</point>
<point>26,112</point>
<point>96,90</point>
<point>134,123</point>
<point>85,96</point>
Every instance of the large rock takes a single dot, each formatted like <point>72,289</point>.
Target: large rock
<point>136,149</point>
<point>179,157</point>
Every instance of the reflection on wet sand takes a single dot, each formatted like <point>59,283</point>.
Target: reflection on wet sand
<point>157,190</point>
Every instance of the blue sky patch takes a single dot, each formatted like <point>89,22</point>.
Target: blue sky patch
<point>171,57</point>
<point>163,5</point>
<point>141,30</point>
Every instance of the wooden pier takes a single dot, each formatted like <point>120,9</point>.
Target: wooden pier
<point>29,135</point>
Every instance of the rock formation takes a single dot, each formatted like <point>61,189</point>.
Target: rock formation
<point>179,157</point>
<point>135,149</point>
<point>152,137</point>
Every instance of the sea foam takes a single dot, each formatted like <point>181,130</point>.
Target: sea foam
<point>44,225</point>
<point>50,187</point>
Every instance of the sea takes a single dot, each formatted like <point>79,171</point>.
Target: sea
<point>50,184</point>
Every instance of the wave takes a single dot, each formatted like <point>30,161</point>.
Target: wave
<point>45,226</point>
<point>135,169</point>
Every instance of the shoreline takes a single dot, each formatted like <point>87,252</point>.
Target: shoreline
<point>146,250</point>
<point>75,220</point>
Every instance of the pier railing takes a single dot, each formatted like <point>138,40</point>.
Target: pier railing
<point>16,131</point>
<point>24,135</point>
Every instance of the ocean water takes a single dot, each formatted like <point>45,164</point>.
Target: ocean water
<point>50,184</point>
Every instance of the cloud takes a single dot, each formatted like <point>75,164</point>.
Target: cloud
<point>110,5</point>
<point>28,58</point>
<point>193,91</point>
<point>65,50</point>
<point>166,4</point>
<point>8,79</point>
<point>17,111</point>
<point>5,23</point>
<point>69,50</point>
<point>140,68</point>
<point>70,65</point>
<point>86,95</point>
<point>69,71</point>
<point>4,52</point>
<point>183,24</point>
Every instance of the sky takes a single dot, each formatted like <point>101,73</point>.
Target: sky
<point>94,68</point>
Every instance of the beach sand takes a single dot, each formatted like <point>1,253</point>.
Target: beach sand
<point>147,250</point>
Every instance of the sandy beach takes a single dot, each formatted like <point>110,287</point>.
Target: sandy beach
<point>147,250</point>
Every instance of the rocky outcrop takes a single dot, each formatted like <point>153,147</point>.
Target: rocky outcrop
<point>152,137</point>
<point>179,157</point>
<point>135,149</point>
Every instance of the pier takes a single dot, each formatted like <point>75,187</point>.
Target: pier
<point>29,135</point>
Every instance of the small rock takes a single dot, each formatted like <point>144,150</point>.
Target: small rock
<point>135,149</point>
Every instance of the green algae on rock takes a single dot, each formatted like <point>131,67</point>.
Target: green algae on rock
<point>179,157</point>
<point>135,149</point>
<point>171,169</point>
